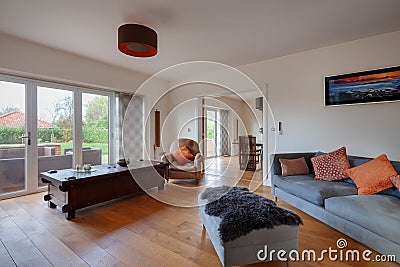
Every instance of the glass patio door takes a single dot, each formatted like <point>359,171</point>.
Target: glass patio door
<point>49,126</point>
<point>13,137</point>
<point>36,129</point>
<point>54,127</point>
<point>95,128</point>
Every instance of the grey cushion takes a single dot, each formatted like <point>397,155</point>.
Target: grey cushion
<point>393,191</point>
<point>315,191</point>
<point>377,213</point>
<point>396,165</point>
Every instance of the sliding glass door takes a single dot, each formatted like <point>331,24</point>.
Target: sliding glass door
<point>46,126</point>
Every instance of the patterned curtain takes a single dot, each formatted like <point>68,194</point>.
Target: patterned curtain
<point>131,123</point>
<point>225,140</point>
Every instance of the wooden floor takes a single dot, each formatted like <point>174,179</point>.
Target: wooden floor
<point>136,231</point>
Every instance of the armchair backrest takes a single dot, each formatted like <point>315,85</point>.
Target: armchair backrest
<point>191,144</point>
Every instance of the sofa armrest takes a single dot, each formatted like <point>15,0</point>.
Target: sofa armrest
<point>276,165</point>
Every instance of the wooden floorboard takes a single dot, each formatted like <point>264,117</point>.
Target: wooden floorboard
<point>19,246</point>
<point>5,257</point>
<point>139,230</point>
<point>50,246</point>
<point>80,238</point>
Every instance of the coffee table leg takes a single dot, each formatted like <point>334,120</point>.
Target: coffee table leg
<point>70,215</point>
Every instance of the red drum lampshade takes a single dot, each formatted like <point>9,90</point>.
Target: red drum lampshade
<point>137,40</point>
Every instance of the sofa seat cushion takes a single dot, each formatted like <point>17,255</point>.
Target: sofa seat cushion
<point>314,191</point>
<point>377,213</point>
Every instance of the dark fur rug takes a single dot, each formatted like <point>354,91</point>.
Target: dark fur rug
<point>243,211</point>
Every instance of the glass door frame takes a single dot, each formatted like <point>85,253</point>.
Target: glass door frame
<point>112,134</point>
<point>31,117</point>
<point>31,152</point>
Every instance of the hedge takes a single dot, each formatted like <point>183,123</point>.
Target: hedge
<point>94,134</point>
<point>44,134</point>
<point>12,135</point>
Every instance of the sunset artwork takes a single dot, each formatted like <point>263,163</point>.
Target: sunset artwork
<point>363,87</point>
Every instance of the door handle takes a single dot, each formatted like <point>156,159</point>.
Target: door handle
<point>27,136</point>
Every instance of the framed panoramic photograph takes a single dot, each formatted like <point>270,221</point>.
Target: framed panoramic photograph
<point>379,85</point>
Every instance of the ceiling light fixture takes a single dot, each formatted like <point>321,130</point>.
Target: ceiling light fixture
<point>137,40</point>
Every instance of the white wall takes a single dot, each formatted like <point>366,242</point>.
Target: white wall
<point>40,61</point>
<point>182,108</point>
<point>253,118</point>
<point>181,121</point>
<point>296,96</point>
<point>31,60</point>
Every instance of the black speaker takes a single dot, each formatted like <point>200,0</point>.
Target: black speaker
<point>259,103</point>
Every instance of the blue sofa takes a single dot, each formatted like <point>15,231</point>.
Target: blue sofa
<point>373,220</point>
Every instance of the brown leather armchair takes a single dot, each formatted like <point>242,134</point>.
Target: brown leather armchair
<point>193,169</point>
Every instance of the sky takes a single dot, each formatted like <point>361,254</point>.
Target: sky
<point>13,95</point>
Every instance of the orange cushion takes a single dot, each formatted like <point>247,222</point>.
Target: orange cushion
<point>294,166</point>
<point>186,153</point>
<point>373,176</point>
<point>331,166</point>
<point>181,155</point>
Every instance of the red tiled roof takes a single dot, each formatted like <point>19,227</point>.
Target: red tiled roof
<point>17,119</point>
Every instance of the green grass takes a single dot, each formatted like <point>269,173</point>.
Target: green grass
<point>102,146</point>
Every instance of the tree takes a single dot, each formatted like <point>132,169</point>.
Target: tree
<point>210,129</point>
<point>62,117</point>
<point>97,112</point>
<point>63,110</point>
<point>8,109</point>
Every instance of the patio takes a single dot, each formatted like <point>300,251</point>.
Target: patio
<point>12,163</point>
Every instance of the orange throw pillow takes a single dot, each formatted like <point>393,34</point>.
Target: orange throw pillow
<point>186,153</point>
<point>294,166</point>
<point>182,154</point>
<point>331,166</point>
<point>373,176</point>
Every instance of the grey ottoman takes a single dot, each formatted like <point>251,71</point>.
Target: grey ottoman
<point>249,248</point>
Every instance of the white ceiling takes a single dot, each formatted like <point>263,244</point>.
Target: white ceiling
<point>234,32</point>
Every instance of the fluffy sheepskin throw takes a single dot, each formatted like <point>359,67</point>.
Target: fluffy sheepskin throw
<point>242,211</point>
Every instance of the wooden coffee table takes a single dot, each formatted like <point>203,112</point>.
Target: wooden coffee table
<point>71,190</point>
